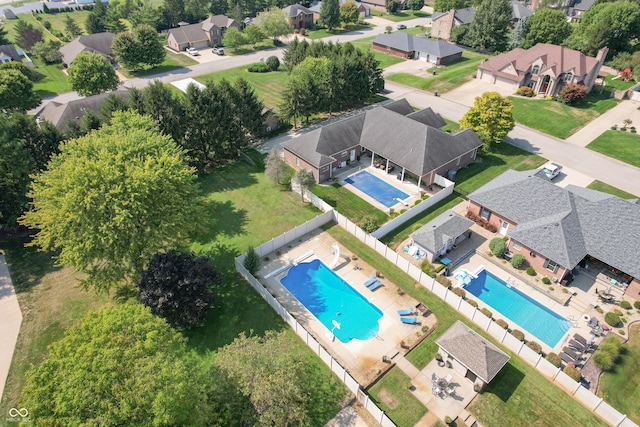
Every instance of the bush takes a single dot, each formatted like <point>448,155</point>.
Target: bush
<point>46,24</point>
<point>637,304</point>
<point>472,303</point>
<point>518,334</point>
<point>252,261</point>
<point>486,312</point>
<point>417,202</point>
<point>603,360</point>
<point>502,324</point>
<point>258,67</point>
<point>497,246</point>
<point>625,305</point>
<point>572,93</point>
<point>548,98</point>
<point>546,281</point>
<point>369,224</point>
<point>534,346</point>
<point>612,349</point>
<point>530,271</point>
<point>554,359</point>
<point>440,267</point>
<point>517,260</point>
<point>443,281</point>
<point>614,127</point>
<point>427,268</point>
<point>618,312</point>
<point>460,292</point>
<point>526,91</point>
<point>273,63</point>
<point>573,372</point>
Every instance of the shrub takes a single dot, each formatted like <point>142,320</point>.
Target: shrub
<point>46,24</point>
<point>460,292</point>
<point>573,372</point>
<point>472,303</point>
<point>548,98</point>
<point>517,260</point>
<point>625,304</point>
<point>486,312</point>
<point>546,281</point>
<point>637,304</point>
<point>369,224</point>
<point>603,360</point>
<point>525,91</point>
<point>440,267</point>
<point>497,246</point>
<point>599,310</point>
<point>273,63</point>
<point>534,346</point>
<point>417,202</point>
<point>502,323</point>
<point>443,281</point>
<point>618,312</point>
<point>612,349</point>
<point>427,268</point>
<point>554,359</point>
<point>530,271</point>
<point>572,93</point>
<point>518,334</point>
<point>258,67</point>
<point>614,127</point>
<point>252,260</point>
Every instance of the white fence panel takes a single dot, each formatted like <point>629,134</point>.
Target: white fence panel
<point>351,383</point>
<point>391,256</point>
<point>481,320</point>
<point>467,309</point>
<point>496,331</point>
<point>627,423</point>
<point>529,355</point>
<point>374,410</point>
<point>414,272</point>
<point>381,249</point>
<point>386,422</point>
<point>609,413</point>
<point>546,368</point>
<point>452,299</point>
<point>439,290</point>
<point>587,398</point>
<point>429,282</point>
<point>337,369</point>
<point>566,381</point>
<point>325,356</point>
<point>512,343</point>
<point>402,263</point>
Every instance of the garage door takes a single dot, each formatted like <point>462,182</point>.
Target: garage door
<point>502,82</point>
<point>423,56</point>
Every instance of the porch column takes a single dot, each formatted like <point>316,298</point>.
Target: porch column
<point>419,179</point>
<point>402,174</point>
<point>386,168</point>
<point>373,155</point>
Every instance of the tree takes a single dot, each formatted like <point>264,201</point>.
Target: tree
<point>114,198</point>
<point>91,74</point>
<point>391,6</point>
<point>295,53</point>
<point>247,107</point>
<point>625,60</point>
<point>572,93</point>
<point>275,167</point>
<point>233,38</point>
<point>274,23</point>
<point>112,21</point>
<point>490,118</point>
<point>146,14</point>
<point>71,27</point>
<point>547,26</point>
<point>330,14</point>
<point>47,51</point>
<point>270,373</point>
<point>490,25</point>
<point>305,180</point>
<point>27,35</point>
<point>119,364</point>
<point>349,12</point>
<point>252,260</point>
<point>273,63</point>
<point>253,34</point>
<point>164,107</point>
<point>139,49</point>
<point>519,33</point>
<point>21,68</point>
<point>177,287</point>
<point>42,140</point>
<point>172,12</point>
<point>16,91</point>
<point>96,20</point>
<point>3,36</point>
<point>416,5</point>
<point>447,5</point>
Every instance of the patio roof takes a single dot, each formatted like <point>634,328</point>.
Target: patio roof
<point>433,235</point>
<point>474,352</point>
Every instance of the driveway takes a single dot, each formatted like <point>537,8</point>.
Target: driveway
<point>10,320</point>
<point>467,93</point>
<point>624,110</point>
<point>411,66</point>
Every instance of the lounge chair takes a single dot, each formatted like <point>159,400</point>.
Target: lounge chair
<point>375,285</point>
<point>409,320</point>
<point>571,353</point>
<point>577,346</point>
<point>448,378</point>
<point>580,339</point>
<point>370,281</point>
<point>566,358</point>
<point>407,312</point>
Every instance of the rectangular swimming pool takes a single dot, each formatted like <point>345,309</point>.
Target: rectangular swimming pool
<point>376,188</point>
<point>543,323</point>
<point>339,307</point>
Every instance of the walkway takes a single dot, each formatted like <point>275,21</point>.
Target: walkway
<point>624,110</point>
<point>10,320</point>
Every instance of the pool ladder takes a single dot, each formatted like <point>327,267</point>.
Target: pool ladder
<point>511,282</point>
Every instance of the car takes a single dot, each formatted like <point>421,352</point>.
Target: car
<point>218,51</point>
<point>193,51</point>
<point>401,27</point>
<point>551,170</point>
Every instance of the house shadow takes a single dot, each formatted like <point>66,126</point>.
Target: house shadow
<point>506,382</point>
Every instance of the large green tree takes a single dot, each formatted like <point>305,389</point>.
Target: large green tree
<point>71,27</point>
<point>349,12</point>
<point>164,107</point>
<point>546,26</point>
<point>96,20</point>
<point>3,36</point>
<point>447,5</point>
<point>91,74</point>
<point>119,366</point>
<point>114,198</point>
<point>275,23</point>
<point>139,49</point>
<point>330,14</point>
<point>253,34</point>
<point>234,38</point>
<point>16,91</point>
<point>490,118</point>
<point>490,26</point>
<point>27,35</point>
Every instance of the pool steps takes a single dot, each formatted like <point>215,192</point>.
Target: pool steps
<point>288,265</point>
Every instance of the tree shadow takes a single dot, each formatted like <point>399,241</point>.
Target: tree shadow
<point>27,265</point>
<point>221,218</point>
<point>233,175</point>
<point>506,382</point>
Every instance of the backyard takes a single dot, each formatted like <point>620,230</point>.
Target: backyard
<point>56,20</point>
<point>348,203</point>
<point>620,145</point>
<point>51,79</point>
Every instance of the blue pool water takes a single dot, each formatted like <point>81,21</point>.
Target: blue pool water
<point>376,188</point>
<point>331,299</point>
<point>544,324</point>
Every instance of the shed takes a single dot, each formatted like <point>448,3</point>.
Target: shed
<point>440,235</point>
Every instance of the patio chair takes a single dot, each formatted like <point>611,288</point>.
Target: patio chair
<point>577,346</point>
<point>407,312</point>
<point>448,378</point>
<point>375,285</point>
<point>566,358</point>
<point>409,320</point>
<point>370,281</point>
<point>580,339</point>
<point>593,322</point>
<point>434,378</point>
<point>571,353</point>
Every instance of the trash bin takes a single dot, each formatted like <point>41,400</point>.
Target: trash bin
<point>435,93</point>
<point>434,72</point>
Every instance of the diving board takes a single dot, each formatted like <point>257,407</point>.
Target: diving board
<point>278,270</point>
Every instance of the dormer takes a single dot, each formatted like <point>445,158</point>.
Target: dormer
<point>509,69</point>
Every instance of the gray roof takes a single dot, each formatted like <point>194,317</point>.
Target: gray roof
<point>10,50</point>
<point>464,16</point>
<point>519,10</point>
<point>434,235</point>
<point>428,117</point>
<point>317,5</point>
<point>296,9</point>
<point>408,43</point>
<point>95,43</point>
<point>565,224</point>
<point>219,21</point>
<point>191,33</point>
<point>583,4</point>
<point>473,351</point>
<point>401,106</point>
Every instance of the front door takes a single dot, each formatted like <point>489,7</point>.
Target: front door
<point>545,84</point>
<point>503,227</point>
<point>353,155</point>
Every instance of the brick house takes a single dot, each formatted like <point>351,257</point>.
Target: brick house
<point>299,16</point>
<point>404,45</point>
<point>207,33</point>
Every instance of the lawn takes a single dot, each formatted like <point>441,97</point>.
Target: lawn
<point>322,32</point>
<point>172,61</point>
<point>624,146</point>
<point>268,86</point>
<point>505,156</point>
<point>618,84</point>
<point>52,81</point>
<point>447,77</point>
<point>518,396</point>
<point>348,203</point>
<point>385,59</point>
<point>403,15</point>
<point>56,20</point>
<point>606,188</point>
<point>621,386</point>
<point>392,395</point>
<point>558,119</point>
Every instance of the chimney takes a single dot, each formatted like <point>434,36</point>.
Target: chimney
<point>602,55</point>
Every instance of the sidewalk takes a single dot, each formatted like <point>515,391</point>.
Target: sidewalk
<point>10,320</point>
<point>624,110</point>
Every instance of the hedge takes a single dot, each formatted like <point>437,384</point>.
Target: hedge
<point>554,359</point>
<point>518,334</point>
<point>534,346</point>
<point>502,324</point>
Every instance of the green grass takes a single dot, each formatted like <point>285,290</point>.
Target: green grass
<point>266,44</point>
<point>624,146</point>
<point>621,386</point>
<point>447,77</point>
<point>52,81</point>
<point>417,30</point>
<point>385,59</point>
<point>400,16</point>
<point>558,119</point>
<point>347,203</point>
<point>606,188</point>
<point>322,32</point>
<point>618,84</point>
<point>56,20</point>
<point>268,86</point>
<point>393,385</point>
<point>172,61</point>
<point>451,126</point>
<point>518,396</point>
<point>489,166</point>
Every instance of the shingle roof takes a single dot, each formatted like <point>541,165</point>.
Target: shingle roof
<point>567,224</point>
<point>296,9</point>
<point>435,234</point>
<point>465,15</point>
<point>401,106</point>
<point>474,352</point>
<point>191,33</point>
<point>428,117</point>
<point>583,5</point>
<point>10,50</point>
<point>219,21</point>
<point>408,43</point>
<point>519,10</point>
<point>318,5</point>
<point>97,43</point>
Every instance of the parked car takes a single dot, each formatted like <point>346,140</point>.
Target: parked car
<point>193,51</point>
<point>218,51</point>
<point>551,170</point>
<point>401,27</point>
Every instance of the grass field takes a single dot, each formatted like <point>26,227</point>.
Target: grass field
<point>172,61</point>
<point>403,15</point>
<point>348,204</point>
<point>56,20</point>
<point>621,386</point>
<point>624,146</point>
<point>394,386</point>
<point>52,81</point>
<point>321,32</point>
<point>558,119</point>
<point>447,77</point>
<point>619,84</point>
<point>606,188</point>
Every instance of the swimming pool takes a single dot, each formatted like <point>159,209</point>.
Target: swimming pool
<point>543,323</point>
<point>331,299</point>
<point>376,188</point>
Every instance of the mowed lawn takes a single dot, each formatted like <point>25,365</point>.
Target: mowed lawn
<point>172,61</point>
<point>385,59</point>
<point>558,119</point>
<point>621,386</point>
<point>402,15</point>
<point>56,20</point>
<point>606,188</point>
<point>322,32</point>
<point>348,203</point>
<point>52,80</point>
<point>268,86</point>
<point>624,146</point>
<point>394,397</point>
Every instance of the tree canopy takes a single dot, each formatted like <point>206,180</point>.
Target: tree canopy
<point>276,169</point>
<point>112,199</point>
<point>447,5</point>
<point>16,91</point>
<point>330,14</point>
<point>91,74</point>
<point>234,38</point>
<point>546,26</point>
<point>490,118</point>
<point>274,23</point>
<point>139,49</point>
<point>490,25</point>
<point>349,12</point>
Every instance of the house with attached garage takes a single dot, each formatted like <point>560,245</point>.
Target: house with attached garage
<point>207,33</point>
<point>404,45</point>
<point>363,9</point>
<point>299,16</point>
<point>557,229</point>
<point>394,136</point>
<point>99,43</point>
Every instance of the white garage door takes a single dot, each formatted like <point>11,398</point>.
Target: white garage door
<point>423,56</point>
<point>502,82</point>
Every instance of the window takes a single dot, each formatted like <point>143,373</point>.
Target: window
<point>485,213</point>
<point>515,245</point>
<point>297,161</point>
<point>458,161</point>
<point>326,168</point>
<point>535,69</point>
<point>344,154</point>
<point>551,265</point>
<point>567,77</point>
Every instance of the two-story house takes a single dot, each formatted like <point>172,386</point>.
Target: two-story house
<point>299,16</point>
<point>207,33</point>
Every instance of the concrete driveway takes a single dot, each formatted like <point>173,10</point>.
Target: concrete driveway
<point>624,110</point>
<point>467,93</point>
<point>410,66</point>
